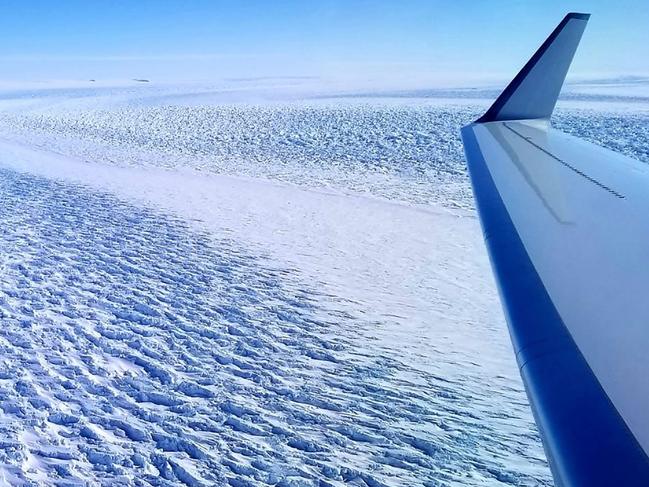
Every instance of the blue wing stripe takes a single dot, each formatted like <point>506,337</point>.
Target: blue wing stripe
<point>586,440</point>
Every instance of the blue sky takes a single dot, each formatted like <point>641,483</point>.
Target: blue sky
<point>409,43</point>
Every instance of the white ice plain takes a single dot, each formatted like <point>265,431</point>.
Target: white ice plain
<point>195,290</point>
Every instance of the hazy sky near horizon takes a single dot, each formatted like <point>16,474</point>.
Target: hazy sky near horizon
<point>409,43</point>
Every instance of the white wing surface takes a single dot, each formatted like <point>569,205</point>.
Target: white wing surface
<point>566,224</point>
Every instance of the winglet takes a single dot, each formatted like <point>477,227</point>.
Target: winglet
<point>533,93</point>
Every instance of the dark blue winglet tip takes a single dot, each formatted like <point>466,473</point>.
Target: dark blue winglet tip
<point>492,114</point>
<point>576,15</point>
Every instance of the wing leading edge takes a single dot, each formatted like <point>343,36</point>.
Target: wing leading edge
<point>565,225</point>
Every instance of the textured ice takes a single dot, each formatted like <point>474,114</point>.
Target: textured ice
<point>394,150</point>
<point>136,348</point>
<point>388,147</point>
<point>626,132</point>
<point>166,324</point>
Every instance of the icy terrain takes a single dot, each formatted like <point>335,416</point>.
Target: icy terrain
<point>197,290</point>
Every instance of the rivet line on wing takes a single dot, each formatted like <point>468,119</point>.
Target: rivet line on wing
<point>566,164</point>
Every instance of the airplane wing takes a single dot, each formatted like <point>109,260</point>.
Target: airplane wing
<point>566,224</point>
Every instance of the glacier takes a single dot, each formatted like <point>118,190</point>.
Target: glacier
<point>201,290</point>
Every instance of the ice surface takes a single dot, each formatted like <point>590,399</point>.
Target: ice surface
<point>380,149</point>
<point>293,292</point>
